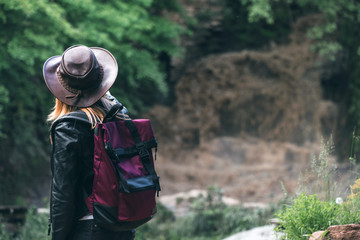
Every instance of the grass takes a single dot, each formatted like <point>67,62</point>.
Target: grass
<point>315,207</point>
<point>209,218</point>
<point>317,204</point>
<point>306,215</point>
<point>35,228</point>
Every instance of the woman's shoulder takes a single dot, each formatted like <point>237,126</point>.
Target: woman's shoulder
<point>73,120</point>
<point>74,116</point>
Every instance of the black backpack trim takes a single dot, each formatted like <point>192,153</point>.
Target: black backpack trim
<point>143,153</point>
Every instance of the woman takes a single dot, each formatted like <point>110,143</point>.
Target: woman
<point>79,80</point>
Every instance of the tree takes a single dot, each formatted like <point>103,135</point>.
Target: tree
<point>137,32</point>
<point>329,35</point>
<point>336,40</point>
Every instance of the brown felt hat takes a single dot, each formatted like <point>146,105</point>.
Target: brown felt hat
<point>81,75</point>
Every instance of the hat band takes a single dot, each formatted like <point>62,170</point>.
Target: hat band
<point>98,75</point>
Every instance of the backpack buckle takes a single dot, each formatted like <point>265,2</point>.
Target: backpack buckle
<point>143,152</point>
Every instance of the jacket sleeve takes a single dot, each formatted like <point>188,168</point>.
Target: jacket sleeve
<point>64,161</point>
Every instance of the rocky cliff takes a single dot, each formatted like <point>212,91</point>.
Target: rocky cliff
<point>245,121</point>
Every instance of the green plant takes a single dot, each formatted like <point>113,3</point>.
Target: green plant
<point>4,101</point>
<point>320,166</point>
<point>208,212</point>
<point>308,213</point>
<point>305,216</point>
<point>321,178</point>
<point>350,208</point>
<point>34,228</point>
<point>349,212</point>
<point>238,218</point>
<point>336,14</point>
<point>209,218</point>
<point>354,174</point>
<point>4,235</point>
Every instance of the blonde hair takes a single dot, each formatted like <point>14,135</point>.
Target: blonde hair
<point>94,113</point>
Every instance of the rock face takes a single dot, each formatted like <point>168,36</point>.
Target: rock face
<point>344,232</point>
<point>245,121</point>
<point>274,95</point>
<point>339,232</point>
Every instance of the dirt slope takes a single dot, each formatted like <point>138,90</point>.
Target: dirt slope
<point>245,121</point>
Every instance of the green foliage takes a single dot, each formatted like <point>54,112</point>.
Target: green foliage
<point>236,32</point>
<point>34,228</point>
<point>335,13</point>
<point>137,32</point>
<point>208,212</point>
<point>305,216</point>
<point>4,101</point>
<point>355,92</point>
<point>322,176</point>
<point>320,166</point>
<point>309,212</point>
<point>335,38</point>
<point>209,218</point>
<point>4,235</point>
<point>350,209</point>
<point>259,9</point>
<point>349,212</point>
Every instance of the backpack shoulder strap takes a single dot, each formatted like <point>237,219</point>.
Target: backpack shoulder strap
<point>113,111</point>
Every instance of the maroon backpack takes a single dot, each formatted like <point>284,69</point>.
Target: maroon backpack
<point>125,181</point>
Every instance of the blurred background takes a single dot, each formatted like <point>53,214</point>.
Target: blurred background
<point>240,92</point>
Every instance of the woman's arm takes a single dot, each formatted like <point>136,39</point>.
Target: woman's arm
<point>64,162</point>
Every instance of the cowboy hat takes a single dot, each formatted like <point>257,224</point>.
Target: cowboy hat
<point>81,75</point>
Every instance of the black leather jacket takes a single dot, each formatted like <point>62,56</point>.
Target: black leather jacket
<point>72,171</point>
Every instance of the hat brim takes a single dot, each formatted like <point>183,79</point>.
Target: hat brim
<point>89,96</point>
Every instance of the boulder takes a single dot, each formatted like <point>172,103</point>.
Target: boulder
<point>317,235</point>
<point>339,232</point>
<point>344,232</point>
